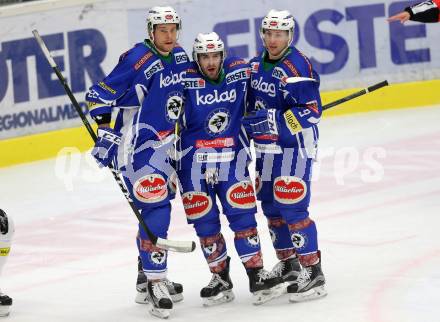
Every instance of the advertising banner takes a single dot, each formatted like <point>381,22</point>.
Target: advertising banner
<point>350,44</point>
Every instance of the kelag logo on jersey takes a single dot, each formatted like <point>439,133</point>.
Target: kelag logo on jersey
<point>216,97</point>
<point>155,67</point>
<point>265,87</point>
<point>217,121</point>
<point>172,79</point>
<point>194,83</point>
<point>173,106</point>
<point>243,73</point>
<point>181,58</point>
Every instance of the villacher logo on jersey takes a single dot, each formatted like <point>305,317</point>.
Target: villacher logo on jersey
<point>196,204</point>
<point>216,97</point>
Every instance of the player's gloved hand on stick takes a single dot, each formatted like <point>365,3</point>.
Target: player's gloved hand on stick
<point>263,122</point>
<point>106,146</point>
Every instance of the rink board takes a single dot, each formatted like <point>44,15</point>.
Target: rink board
<point>48,145</point>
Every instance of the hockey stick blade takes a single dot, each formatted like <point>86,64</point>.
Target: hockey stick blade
<point>178,246</point>
<point>293,80</point>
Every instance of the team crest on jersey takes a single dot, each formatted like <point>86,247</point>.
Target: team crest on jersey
<point>260,104</point>
<point>155,67</point>
<point>217,122</point>
<point>158,257</point>
<point>254,67</point>
<point>236,75</point>
<point>151,188</point>
<point>181,58</point>
<point>241,195</point>
<point>194,83</point>
<point>210,249</point>
<point>174,106</point>
<point>299,240</point>
<point>196,204</point>
<point>253,241</point>
<point>289,190</point>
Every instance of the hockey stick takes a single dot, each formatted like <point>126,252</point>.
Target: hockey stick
<point>357,94</point>
<point>178,246</point>
<point>293,80</point>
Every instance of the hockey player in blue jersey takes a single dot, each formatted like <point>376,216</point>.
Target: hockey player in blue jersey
<point>213,163</point>
<point>283,122</point>
<point>146,86</point>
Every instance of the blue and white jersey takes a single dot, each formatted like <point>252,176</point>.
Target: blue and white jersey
<point>147,87</point>
<point>211,121</point>
<point>300,102</point>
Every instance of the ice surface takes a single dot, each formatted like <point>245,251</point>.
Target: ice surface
<point>74,254</point>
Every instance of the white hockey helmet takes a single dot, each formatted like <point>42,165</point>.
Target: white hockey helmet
<point>161,15</point>
<point>278,20</point>
<point>208,43</point>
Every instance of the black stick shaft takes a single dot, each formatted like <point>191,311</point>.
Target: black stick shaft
<point>357,94</point>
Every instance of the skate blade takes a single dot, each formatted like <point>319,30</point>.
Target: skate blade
<point>261,297</point>
<point>313,294</point>
<point>160,313</point>
<point>142,298</point>
<point>220,298</point>
<point>4,310</point>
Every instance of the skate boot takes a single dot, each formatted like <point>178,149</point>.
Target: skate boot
<point>159,299</point>
<point>288,270</point>
<point>309,285</point>
<point>219,289</point>
<point>175,289</point>
<point>264,286</point>
<point>5,304</point>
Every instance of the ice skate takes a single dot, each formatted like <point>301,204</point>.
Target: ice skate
<point>5,304</point>
<point>175,289</point>
<point>264,286</point>
<point>309,286</point>
<point>219,289</point>
<point>159,299</point>
<point>288,270</point>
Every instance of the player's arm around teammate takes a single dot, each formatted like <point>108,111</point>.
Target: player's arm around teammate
<point>283,122</point>
<point>146,86</point>
<point>213,163</point>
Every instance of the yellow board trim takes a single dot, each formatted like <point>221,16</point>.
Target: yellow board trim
<point>396,96</point>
